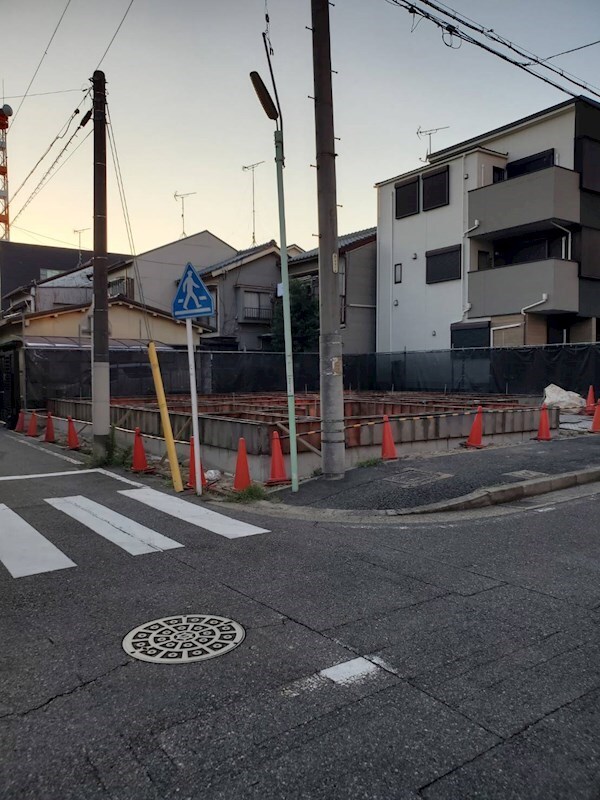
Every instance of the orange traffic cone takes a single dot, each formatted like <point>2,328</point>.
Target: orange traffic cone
<point>596,420</point>
<point>139,462</point>
<point>32,429</point>
<point>49,437</point>
<point>590,403</point>
<point>191,484</point>
<point>241,480</point>
<point>277,464</point>
<point>388,448</point>
<point>72,438</point>
<point>20,426</point>
<point>544,427</point>
<point>474,439</point>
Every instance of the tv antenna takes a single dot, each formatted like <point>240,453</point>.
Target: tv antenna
<point>182,198</point>
<point>251,168</point>
<point>421,133</point>
<point>79,231</point>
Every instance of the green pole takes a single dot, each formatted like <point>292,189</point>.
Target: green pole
<point>287,322</point>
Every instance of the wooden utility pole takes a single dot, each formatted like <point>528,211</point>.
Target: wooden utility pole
<point>330,342</point>
<point>100,345</point>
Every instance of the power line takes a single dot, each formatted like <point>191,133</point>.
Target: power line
<point>489,33</point>
<point>115,34</point>
<point>453,31</point>
<point>46,175</point>
<point>37,69</point>
<point>125,209</point>
<point>60,135</point>
<point>573,50</point>
<point>42,235</point>
<point>43,94</point>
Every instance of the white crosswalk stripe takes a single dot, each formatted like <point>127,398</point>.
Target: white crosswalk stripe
<point>197,515</point>
<point>24,551</point>
<point>136,539</point>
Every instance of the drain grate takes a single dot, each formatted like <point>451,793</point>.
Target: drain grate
<point>410,477</point>
<point>180,640</point>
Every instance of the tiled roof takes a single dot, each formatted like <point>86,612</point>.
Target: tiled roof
<point>344,243</point>
<point>239,256</point>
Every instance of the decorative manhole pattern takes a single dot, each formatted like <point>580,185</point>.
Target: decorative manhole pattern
<point>409,477</point>
<point>180,640</point>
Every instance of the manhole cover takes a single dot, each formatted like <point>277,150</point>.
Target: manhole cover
<point>409,477</point>
<point>179,640</point>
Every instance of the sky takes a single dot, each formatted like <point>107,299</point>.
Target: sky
<point>186,119</point>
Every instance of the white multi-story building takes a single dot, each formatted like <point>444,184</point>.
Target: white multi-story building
<point>497,240</point>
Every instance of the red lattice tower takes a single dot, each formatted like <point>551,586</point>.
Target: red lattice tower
<point>5,113</point>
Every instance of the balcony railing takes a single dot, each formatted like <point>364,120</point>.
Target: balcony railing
<point>260,314</point>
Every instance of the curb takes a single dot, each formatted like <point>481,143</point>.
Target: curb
<point>507,493</point>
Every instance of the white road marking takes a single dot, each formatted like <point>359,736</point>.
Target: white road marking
<point>193,514</point>
<point>349,671</point>
<point>117,477</point>
<point>136,539</point>
<point>49,452</point>
<point>23,550</point>
<point>70,472</point>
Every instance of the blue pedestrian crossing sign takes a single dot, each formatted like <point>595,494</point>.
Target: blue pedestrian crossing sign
<point>193,298</point>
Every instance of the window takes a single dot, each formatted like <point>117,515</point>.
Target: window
<point>588,151</point>
<point>443,264</point>
<point>524,166</point>
<point>498,174</point>
<point>407,198</point>
<point>469,334</point>
<point>397,273</point>
<point>257,307</point>
<point>435,189</point>
<point>49,273</point>
<point>122,286</point>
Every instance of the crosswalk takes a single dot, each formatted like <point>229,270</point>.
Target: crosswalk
<point>24,550</point>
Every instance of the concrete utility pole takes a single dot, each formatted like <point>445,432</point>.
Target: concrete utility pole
<point>100,357</point>
<point>332,380</point>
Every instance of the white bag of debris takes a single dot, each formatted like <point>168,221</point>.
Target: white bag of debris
<point>555,397</point>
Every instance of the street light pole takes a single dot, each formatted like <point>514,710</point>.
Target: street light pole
<point>274,114</point>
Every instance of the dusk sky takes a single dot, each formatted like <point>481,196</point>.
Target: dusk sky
<point>185,116</point>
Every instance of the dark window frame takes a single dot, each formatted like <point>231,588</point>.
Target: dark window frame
<point>547,159</point>
<point>457,248</point>
<point>498,174</point>
<point>427,176</point>
<point>398,271</point>
<point>403,185</point>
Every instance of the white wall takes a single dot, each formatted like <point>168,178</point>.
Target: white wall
<point>555,132</point>
<point>422,308</point>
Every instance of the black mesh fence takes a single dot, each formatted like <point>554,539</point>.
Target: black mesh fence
<point>66,373</point>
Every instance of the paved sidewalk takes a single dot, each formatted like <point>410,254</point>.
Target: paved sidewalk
<point>416,481</point>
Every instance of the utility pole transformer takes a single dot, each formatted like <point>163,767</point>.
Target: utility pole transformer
<point>330,342</point>
<point>100,349</point>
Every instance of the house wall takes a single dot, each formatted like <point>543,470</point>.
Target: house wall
<point>554,131</point>
<point>160,269</point>
<point>261,276</point>
<point>358,334</point>
<point>124,323</point>
<point>409,312</point>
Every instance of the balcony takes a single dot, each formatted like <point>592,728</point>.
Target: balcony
<point>258,314</point>
<point>506,290</point>
<point>525,203</point>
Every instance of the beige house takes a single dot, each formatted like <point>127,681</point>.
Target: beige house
<point>127,319</point>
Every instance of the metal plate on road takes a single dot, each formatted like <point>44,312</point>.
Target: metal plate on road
<point>410,477</point>
<point>183,639</point>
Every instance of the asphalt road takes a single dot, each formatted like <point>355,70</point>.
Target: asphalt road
<point>478,643</point>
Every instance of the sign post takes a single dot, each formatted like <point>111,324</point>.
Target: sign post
<point>193,300</point>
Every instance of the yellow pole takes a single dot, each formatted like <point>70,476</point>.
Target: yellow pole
<point>164,417</point>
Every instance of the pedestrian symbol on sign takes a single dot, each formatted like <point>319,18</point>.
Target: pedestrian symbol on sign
<point>193,298</point>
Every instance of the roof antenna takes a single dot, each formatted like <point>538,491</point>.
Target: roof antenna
<point>421,133</point>
<point>252,167</point>
<point>182,198</point>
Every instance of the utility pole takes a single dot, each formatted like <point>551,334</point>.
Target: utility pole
<point>252,167</point>
<point>330,342</point>
<point>100,354</point>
